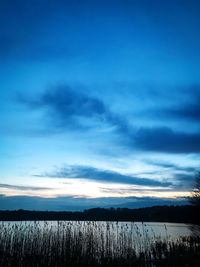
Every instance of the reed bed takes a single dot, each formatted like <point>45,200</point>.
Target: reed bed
<point>92,244</point>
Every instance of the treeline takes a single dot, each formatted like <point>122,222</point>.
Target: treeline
<point>179,214</point>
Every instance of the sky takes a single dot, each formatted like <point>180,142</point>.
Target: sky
<point>99,103</point>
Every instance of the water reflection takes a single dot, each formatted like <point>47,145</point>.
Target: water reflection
<point>194,230</point>
<point>152,230</point>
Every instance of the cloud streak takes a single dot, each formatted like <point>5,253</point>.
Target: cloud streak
<point>23,188</point>
<point>169,165</point>
<point>106,176</point>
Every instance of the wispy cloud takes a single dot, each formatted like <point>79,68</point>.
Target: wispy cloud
<point>100,175</point>
<point>169,165</point>
<point>23,188</point>
<point>132,191</point>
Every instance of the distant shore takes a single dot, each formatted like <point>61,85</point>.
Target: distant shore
<point>176,214</point>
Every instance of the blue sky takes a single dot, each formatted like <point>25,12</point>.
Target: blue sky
<point>99,102</point>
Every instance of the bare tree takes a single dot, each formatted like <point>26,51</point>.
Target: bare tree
<point>195,199</point>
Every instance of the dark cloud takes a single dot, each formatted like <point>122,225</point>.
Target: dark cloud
<point>40,203</point>
<point>184,180</point>
<point>188,108</point>
<point>166,140</point>
<point>71,108</point>
<point>141,202</point>
<point>169,165</point>
<point>72,204</point>
<point>183,176</point>
<point>23,188</point>
<point>187,112</point>
<point>90,173</point>
<point>66,106</point>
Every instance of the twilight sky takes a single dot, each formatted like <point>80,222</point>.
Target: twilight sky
<point>99,102</point>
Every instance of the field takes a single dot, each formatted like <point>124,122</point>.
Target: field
<point>93,244</point>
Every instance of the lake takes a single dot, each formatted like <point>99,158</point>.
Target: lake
<point>152,230</point>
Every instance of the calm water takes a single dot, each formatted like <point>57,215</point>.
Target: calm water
<point>153,230</point>
<point>109,237</point>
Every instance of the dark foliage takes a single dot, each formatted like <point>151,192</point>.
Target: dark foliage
<point>179,214</point>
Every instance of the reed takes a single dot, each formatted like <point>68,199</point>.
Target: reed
<point>92,244</point>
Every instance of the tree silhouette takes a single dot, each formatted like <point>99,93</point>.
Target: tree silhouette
<point>195,199</point>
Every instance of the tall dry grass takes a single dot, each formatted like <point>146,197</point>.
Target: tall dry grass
<point>92,244</point>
